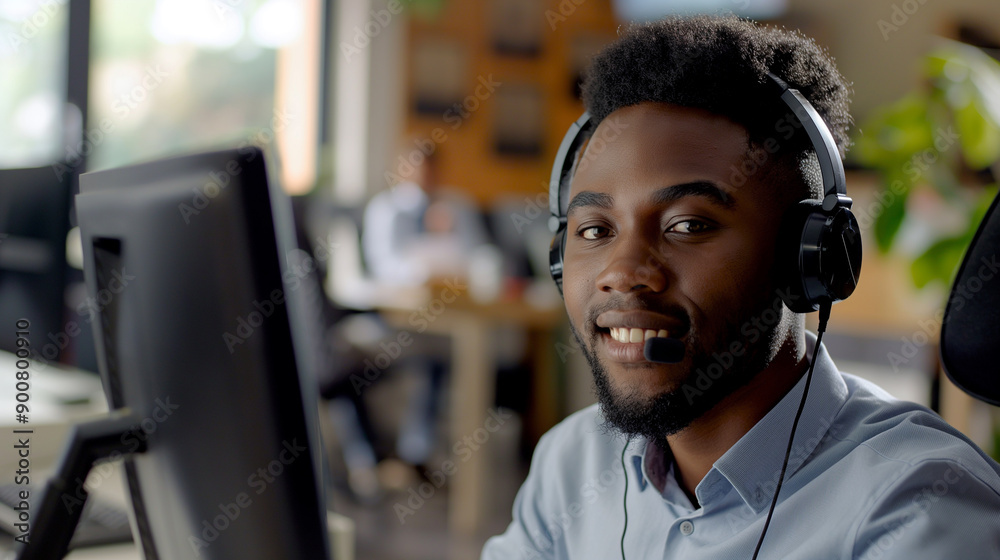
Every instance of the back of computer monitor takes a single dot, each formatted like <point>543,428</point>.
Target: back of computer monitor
<point>196,321</point>
<point>34,221</point>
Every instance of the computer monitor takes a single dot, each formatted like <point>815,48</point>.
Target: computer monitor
<point>199,334</point>
<point>34,221</point>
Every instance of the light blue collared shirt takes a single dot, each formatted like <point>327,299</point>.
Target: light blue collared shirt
<point>869,477</point>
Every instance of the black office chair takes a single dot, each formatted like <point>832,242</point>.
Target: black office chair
<point>34,222</point>
<point>971,328</point>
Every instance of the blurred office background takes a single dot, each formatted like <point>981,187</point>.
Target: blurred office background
<point>443,377</point>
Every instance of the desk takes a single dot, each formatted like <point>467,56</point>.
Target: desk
<point>448,310</point>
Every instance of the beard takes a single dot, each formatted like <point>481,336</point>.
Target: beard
<point>714,374</point>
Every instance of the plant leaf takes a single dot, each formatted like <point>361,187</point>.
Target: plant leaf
<point>894,133</point>
<point>890,209</point>
<point>939,262</point>
<point>978,135</point>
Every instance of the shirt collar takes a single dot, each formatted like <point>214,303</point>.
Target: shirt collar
<point>753,464</point>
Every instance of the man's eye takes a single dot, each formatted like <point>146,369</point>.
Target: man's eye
<point>690,226</point>
<point>593,233</point>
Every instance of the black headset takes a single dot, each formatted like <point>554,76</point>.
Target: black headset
<point>819,244</point>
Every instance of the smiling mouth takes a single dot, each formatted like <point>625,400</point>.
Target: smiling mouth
<point>622,333</point>
<point>634,335</point>
<point>625,344</point>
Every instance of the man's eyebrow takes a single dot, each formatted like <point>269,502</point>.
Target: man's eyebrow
<point>590,198</point>
<point>665,195</point>
<point>705,189</point>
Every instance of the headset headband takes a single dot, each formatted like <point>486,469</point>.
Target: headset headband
<point>562,171</point>
<point>819,133</point>
<point>830,163</point>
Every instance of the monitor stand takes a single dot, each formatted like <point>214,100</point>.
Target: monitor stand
<point>65,495</point>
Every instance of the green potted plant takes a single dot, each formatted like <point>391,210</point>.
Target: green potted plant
<point>944,137</point>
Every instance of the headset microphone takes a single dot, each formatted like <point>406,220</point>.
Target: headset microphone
<point>663,350</point>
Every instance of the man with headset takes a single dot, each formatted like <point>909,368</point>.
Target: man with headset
<point>689,242</point>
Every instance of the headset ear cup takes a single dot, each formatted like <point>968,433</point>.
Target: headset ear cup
<point>793,278</point>
<point>841,257</point>
<point>819,254</point>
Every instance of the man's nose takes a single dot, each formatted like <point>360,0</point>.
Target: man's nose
<point>634,265</point>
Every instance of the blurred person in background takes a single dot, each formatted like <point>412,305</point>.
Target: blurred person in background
<point>413,233</point>
<point>419,229</point>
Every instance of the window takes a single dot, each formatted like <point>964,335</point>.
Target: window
<point>33,35</point>
<point>174,76</point>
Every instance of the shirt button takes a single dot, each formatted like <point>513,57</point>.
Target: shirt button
<point>687,528</point>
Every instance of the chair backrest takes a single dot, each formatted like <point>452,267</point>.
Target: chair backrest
<point>333,231</point>
<point>971,327</point>
<point>34,222</point>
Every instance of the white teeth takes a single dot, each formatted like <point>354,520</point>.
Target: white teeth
<point>631,335</point>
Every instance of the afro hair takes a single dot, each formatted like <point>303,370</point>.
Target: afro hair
<point>720,64</point>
